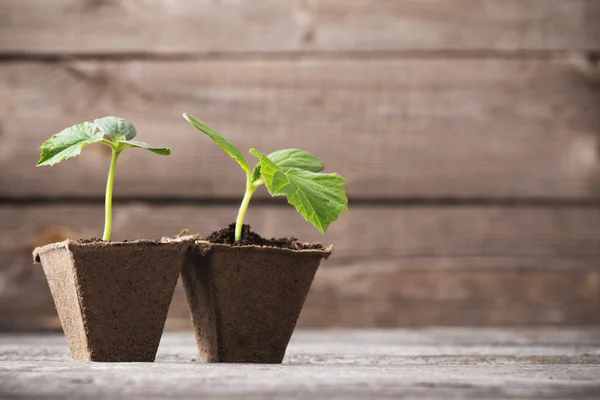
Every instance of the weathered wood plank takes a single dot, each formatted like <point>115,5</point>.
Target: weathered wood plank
<point>394,128</point>
<point>445,345</point>
<point>412,267</point>
<point>432,363</point>
<point>383,232</point>
<point>91,26</point>
<point>387,295</point>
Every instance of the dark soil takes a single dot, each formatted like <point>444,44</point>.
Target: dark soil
<point>249,238</point>
<point>92,240</point>
<point>98,240</point>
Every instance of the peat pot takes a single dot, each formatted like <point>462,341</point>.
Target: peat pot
<point>245,300</point>
<point>112,298</point>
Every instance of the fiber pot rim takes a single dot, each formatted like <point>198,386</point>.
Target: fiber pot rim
<point>72,243</point>
<point>206,247</point>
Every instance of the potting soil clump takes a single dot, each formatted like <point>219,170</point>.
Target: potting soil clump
<point>249,238</point>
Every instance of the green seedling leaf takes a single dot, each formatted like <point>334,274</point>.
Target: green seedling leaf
<point>318,197</point>
<point>291,158</point>
<point>294,173</point>
<point>225,144</point>
<point>116,128</point>
<point>296,158</point>
<point>163,151</point>
<point>68,143</point>
<point>255,177</point>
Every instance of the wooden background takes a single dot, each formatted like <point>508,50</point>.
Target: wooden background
<point>467,129</point>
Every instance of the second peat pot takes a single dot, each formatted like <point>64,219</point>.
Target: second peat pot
<point>245,300</point>
<point>245,292</point>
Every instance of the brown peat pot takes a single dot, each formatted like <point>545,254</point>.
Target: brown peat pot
<point>245,300</point>
<point>112,298</point>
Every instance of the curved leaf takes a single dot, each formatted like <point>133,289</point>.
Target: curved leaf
<point>319,198</point>
<point>216,137</point>
<point>163,151</point>
<point>255,176</point>
<point>68,143</point>
<point>296,158</point>
<point>116,128</point>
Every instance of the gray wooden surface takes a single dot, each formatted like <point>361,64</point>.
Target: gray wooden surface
<point>433,363</point>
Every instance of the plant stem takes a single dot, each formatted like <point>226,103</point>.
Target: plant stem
<point>109,194</point>
<point>239,222</point>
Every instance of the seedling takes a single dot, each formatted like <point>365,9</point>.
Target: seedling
<point>294,173</point>
<point>114,132</point>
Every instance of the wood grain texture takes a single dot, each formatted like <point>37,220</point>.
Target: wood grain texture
<point>384,295</point>
<point>395,128</point>
<point>421,266</point>
<point>438,105</point>
<point>433,363</point>
<point>176,26</point>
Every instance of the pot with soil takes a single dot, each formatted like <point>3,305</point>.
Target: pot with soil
<point>245,297</point>
<point>111,297</point>
<point>246,293</point>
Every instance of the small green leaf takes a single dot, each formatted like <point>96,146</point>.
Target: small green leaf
<point>318,197</point>
<point>225,144</point>
<point>116,128</point>
<point>296,158</point>
<point>163,151</point>
<point>255,176</point>
<point>68,143</point>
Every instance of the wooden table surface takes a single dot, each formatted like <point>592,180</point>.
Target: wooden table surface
<point>431,363</point>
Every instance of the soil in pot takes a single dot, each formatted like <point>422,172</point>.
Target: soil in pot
<point>112,298</point>
<point>245,298</point>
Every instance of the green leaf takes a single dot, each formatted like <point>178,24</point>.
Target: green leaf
<point>116,128</point>
<point>318,197</point>
<point>291,158</point>
<point>225,144</point>
<point>68,143</point>
<point>163,151</point>
<point>255,176</point>
<point>296,158</point>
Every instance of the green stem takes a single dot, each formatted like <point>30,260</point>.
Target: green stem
<point>109,194</point>
<point>250,188</point>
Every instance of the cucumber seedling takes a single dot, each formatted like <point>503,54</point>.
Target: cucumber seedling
<point>294,173</point>
<point>117,133</point>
